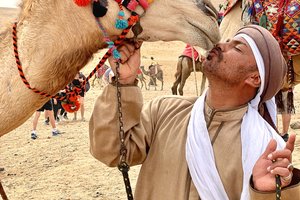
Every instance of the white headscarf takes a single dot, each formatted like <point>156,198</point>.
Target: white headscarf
<point>199,151</point>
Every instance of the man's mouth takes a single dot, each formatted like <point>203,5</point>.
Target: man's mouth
<point>211,53</point>
<point>215,51</point>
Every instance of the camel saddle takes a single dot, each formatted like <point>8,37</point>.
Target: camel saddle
<point>280,17</point>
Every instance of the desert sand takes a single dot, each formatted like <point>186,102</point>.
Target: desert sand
<point>61,167</point>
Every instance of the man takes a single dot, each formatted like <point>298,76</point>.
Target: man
<point>215,147</point>
<point>78,82</point>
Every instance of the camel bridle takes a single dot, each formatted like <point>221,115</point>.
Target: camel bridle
<point>99,10</point>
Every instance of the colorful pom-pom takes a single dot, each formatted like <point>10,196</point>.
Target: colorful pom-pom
<point>121,24</point>
<point>116,54</point>
<point>82,2</point>
<point>110,44</point>
<point>121,13</point>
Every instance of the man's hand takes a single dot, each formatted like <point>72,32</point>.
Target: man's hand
<point>273,162</point>
<point>130,62</point>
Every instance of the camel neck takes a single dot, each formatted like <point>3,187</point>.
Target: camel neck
<point>53,47</point>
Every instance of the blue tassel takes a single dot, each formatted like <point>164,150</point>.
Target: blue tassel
<point>110,44</point>
<point>121,13</point>
<point>116,54</point>
<point>121,23</point>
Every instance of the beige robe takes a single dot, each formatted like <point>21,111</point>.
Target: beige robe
<point>156,138</point>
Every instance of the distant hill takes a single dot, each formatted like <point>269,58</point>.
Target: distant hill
<point>7,15</point>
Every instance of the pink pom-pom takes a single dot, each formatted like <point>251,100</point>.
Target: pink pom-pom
<point>82,2</point>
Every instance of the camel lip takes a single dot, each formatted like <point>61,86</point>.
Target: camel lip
<point>201,31</point>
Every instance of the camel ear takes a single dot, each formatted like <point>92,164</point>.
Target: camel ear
<point>253,80</point>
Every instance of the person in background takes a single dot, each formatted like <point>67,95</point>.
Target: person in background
<point>48,108</point>
<point>78,82</point>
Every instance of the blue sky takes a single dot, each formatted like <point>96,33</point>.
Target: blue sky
<point>9,3</point>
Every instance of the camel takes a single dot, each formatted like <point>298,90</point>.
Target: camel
<point>57,38</point>
<point>98,75</point>
<point>155,73</point>
<point>142,79</point>
<point>184,69</point>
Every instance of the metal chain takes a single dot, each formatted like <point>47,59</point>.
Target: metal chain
<point>123,166</point>
<point>278,187</point>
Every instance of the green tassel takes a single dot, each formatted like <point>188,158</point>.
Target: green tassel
<point>263,20</point>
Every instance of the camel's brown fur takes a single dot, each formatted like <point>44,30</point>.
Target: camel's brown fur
<point>57,38</point>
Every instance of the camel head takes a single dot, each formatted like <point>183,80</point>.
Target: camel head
<point>190,21</point>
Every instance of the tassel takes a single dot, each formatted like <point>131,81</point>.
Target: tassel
<point>278,25</point>
<point>263,20</point>
<point>98,9</point>
<point>82,2</point>
<point>290,102</point>
<point>291,74</point>
<point>121,23</point>
<point>279,102</point>
<point>116,54</point>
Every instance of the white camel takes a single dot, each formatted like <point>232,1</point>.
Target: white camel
<point>56,38</point>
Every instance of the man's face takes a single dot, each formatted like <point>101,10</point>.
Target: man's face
<point>230,62</point>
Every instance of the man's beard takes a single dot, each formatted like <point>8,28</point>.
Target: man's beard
<point>212,68</point>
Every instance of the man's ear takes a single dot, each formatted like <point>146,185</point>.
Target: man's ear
<point>253,80</point>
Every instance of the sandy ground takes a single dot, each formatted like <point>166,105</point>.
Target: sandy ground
<point>61,167</point>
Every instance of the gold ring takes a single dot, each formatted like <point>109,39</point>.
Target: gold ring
<point>287,178</point>
<point>290,167</point>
